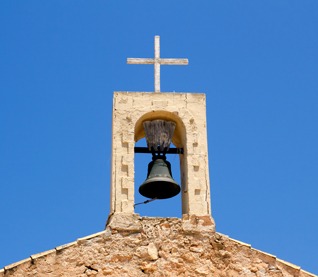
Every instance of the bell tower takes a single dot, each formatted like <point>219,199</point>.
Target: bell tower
<point>187,113</point>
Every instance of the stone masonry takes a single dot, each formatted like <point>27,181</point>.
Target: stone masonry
<point>134,246</point>
<point>188,111</point>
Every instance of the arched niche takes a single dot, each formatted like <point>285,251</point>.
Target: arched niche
<point>179,140</point>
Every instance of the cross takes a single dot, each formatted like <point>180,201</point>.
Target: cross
<point>157,61</point>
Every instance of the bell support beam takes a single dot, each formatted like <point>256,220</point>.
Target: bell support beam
<point>145,150</point>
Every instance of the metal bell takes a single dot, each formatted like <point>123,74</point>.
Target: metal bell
<point>159,183</point>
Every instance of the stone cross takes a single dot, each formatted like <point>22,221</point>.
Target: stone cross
<point>157,61</point>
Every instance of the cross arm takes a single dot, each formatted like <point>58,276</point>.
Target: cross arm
<point>161,61</point>
<point>140,61</point>
<point>174,61</point>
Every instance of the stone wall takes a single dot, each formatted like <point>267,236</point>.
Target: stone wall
<point>134,246</point>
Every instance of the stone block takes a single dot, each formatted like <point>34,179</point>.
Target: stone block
<point>125,222</point>
<point>198,223</point>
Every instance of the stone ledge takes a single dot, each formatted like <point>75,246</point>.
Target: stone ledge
<point>11,266</point>
<point>240,242</point>
<point>160,94</point>
<point>288,264</point>
<point>91,236</point>
<point>64,246</point>
<point>308,273</point>
<point>39,255</point>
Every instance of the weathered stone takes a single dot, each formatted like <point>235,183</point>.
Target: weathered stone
<point>125,222</point>
<point>204,271</point>
<point>150,250</point>
<point>197,224</point>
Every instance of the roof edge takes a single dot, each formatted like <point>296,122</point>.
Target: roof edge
<point>280,262</point>
<point>34,257</point>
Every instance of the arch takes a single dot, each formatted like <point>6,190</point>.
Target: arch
<point>179,136</point>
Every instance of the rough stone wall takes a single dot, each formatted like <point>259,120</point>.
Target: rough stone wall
<point>134,246</point>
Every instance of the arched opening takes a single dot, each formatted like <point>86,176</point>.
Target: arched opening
<point>171,207</point>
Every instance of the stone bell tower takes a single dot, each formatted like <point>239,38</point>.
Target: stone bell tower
<point>188,112</point>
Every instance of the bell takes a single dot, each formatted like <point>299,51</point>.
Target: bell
<point>159,183</point>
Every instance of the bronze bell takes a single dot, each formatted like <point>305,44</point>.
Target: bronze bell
<point>159,183</point>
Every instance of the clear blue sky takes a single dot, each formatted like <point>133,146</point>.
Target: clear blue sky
<point>257,62</point>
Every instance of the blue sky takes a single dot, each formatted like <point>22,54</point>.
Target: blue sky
<point>257,62</point>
